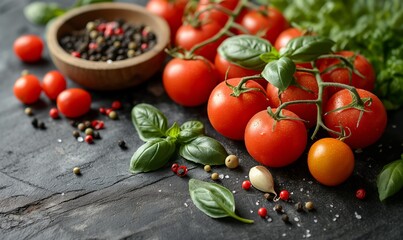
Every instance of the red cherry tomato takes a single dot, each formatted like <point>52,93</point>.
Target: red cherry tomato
<point>27,89</point>
<point>307,89</point>
<point>171,11</point>
<point>341,75</point>
<point>275,143</point>
<point>364,127</point>
<point>53,84</point>
<point>28,48</point>
<point>189,82</point>
<point>187,36</point>
<point>214,14</point>
<point>267,19</point>
<point>74,102</point>
<point>285,36</point>
<point>228,114</point>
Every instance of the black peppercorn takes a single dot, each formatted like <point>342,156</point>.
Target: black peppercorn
<point>41,125</point>
<point>122,144</point>
<point>96,135</point>
<point>299,207</point>
<point>285,218</point>
<point>278,208</point>
<point>76,134</point>
<point>34,123</point>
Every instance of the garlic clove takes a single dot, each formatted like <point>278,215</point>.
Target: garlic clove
<point>261,179</point>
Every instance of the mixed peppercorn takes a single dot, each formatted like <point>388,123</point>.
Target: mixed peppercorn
<point>103,40</point>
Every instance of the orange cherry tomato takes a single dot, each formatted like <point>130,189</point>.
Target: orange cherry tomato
<point>330,161</point>
<point>53,84</point>
<point>27,89</point>
<point>74,102</point>
<point>28,48</point>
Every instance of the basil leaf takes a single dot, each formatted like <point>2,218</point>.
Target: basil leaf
<point>204,150</point>
<point>149,121</point>
<point>214,200</point>
<point>280,73</point>
<point>80,3</point>
<point>42,12</point>
<point>390,180</point>
<point>307,48</point>
<point>173,131</point>
<point>245,51</point>
<point>152,155</point>
<point>270,56</point>
<point>195,126</point>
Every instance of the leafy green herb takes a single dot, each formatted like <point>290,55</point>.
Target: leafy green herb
<point>280,73</point>
<point>371,27</point>
<point>307,48</point>
<point>390,180</point>
<point>152,155</point>
<point>214,200</point>
<point>245,51</point>
<point>204,150</point>
<point>161,143</point>
<point>43,12</point>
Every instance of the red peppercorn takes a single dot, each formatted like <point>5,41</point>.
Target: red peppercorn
<point>116,105</point>
<point>54,113</point>
<point>182,171</point>
<point>108,110</point>
<point>100,125</point>
<point>118,31</point>
<point>284,195</point>
<point>101,27</point>
<point>102,110</point>
<point>89,139</point>
<point>76,54</point>
<point>246,184</point>
<point>360,193</point>
<point>108,32</point>
<point>144,46</point>
<point>175,167</point>
<point>92,45</point>
<point>262,212</point>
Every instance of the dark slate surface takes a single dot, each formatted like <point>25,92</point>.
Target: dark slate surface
<point>40,197</point>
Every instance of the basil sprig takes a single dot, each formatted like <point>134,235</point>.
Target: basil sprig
<point>280,73</point>
<point>307,48</point>
<point>390,180</point>
<point>214,200</point>
<point>161,142</point>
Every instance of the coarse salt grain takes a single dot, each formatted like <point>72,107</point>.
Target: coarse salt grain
<point>358,216</point>
<point>80,139</point>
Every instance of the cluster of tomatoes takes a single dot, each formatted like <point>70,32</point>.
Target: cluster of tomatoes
<point>238,109</point>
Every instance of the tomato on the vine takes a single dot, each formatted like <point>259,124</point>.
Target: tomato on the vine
<point>330,161</point>
<point>275,143</point>
<point>187,36</point>
<point>306,88</point>
<point>342,75</point>
<point>267,19</point>
<point>27,89</point>
<point>74,102</point>
<point>28,48</point>
<point>229,114</point>
<point>285,36</point>
<point>189,82</point>
<point>363,127</point>
<point>215,14</point>
<point>53,84</point>
<point>171,11</point>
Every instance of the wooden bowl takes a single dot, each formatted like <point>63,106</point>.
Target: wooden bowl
<point>103,75</point>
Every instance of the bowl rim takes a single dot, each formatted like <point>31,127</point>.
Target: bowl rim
<point>56,49</point>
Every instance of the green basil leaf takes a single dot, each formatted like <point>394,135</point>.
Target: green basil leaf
<point>307,48</point>
<point>173,131</point>
<point>280,73</point>
<point>42,12</point>
<point>245,51</point>
<point>149,122</point>
<point>80,3</point>
<point>196,126</point>
<point>152,155</point>
<point>270,56</point>
<point>390,180</point>
<point>214,200</point>
<point>204,150</point>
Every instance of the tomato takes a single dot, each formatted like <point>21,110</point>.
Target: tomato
<point>307,89</point>
<point>270,20</point>
<point>27,89</point>
<point>275,143</point>
<point>53,83</point>
<point>285,36</point>
<point>74,102</point>
<point>229,114</point>
<point>187,36</point>
<point>341,75</point>
<point>330,161</point>
<point>189,82</point>
<point>364,129</point>
<point>28,48</point>
<point>234,71</point>
<point>213,14</point>
<point>171,11</point>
